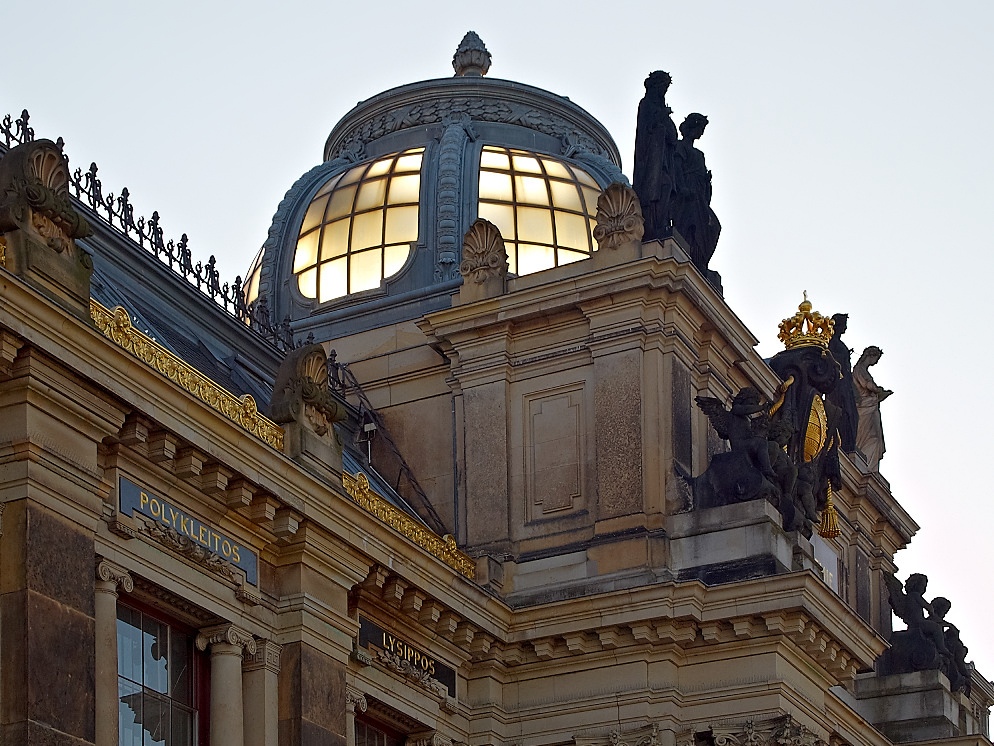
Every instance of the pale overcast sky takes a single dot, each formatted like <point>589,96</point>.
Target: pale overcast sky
<point>850,143</point>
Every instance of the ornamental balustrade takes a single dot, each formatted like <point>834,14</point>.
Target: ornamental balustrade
<point>117,212</point>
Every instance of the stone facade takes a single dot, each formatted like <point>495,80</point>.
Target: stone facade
<point>577,595</point>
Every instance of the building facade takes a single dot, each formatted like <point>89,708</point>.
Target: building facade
<point>477,522</point>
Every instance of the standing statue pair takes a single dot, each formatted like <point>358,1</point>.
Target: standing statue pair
<point>671,178</point>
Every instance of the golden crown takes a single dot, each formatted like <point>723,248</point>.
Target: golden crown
<point>806,328</point>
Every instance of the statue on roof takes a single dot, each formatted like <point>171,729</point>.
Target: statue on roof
<point>693,217</point>
<point>844,396</point>
<point>930,642</point>
<point>784,450</point>
<point>870,431</point>
<point>655,145</point>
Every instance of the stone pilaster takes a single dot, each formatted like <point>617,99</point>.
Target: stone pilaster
<point>109,577</point>
<point>260,671</point>
<point>354,700</point>
<point>227,644</point>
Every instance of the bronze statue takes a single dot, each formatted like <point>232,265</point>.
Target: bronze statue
<point>930,642</point>
<point>655,143</point>
<point>738,427</point>
<point>693,217</point>
<point>870,431</point>
<point>843,396</point>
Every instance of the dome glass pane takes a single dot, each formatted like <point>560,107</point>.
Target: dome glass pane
<point>359,231</point>
<point>543,207</point>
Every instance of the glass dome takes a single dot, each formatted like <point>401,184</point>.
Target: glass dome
<point>380,223</point>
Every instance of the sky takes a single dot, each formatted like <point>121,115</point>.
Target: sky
<point>850,144</point>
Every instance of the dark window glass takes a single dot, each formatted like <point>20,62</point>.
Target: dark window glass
<point>155,681</point>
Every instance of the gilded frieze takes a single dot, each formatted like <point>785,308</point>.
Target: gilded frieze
<point>116,326</point>
<point>442,547</point>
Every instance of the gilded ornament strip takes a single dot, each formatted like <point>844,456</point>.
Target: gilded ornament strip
<point>442,547</point>
<point>116,326</point>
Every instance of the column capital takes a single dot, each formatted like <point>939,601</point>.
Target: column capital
<point>227,634</point>
<point>266,655</point>
<point>428,738</point>
<point>116,575</point>
<point>354,699</point>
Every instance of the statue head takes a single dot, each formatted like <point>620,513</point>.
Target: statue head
<point>941,606</point>
<point>693,126</point>
<point>747,395</point>
<point>780,432</point>
<point>841,321</point>
<point>658,81</point>
<point>916,583</point>
<point>871,354</point>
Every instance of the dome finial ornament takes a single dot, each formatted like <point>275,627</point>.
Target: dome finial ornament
<point>471,60</point>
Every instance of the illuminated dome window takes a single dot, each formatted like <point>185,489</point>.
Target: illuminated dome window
<point>359,228</point>
<point>544,208</point>
<point>251,285</point>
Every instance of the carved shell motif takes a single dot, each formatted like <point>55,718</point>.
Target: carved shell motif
<point>483,252</point>
<point>314,366</point>
<point>619,217</point>
<point>49,167</point>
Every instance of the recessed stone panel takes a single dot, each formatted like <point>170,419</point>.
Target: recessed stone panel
<point>554,463</point>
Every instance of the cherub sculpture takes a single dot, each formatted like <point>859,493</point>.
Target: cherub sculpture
<point>923,646</point>
<point>739,428</point>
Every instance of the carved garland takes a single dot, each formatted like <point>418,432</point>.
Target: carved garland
<point>442,547</point>
<point>478,109</point>
<point>185,546</point>
<point>416,674</point>
<point>116,326</point>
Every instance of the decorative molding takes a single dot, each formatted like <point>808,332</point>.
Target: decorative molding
<point>355,700</point>
<point>177,606</point>
<point>441,547</point>
<point>775,732</point>
<point>407,669</point>
<point>116,326</point>
<point>619,218</point>
<point>448,212</point>
<point>185,546</point>
<point>227,634</point>
<point>428,738</point>
<point>108,572</point>
<point>265,656</point>
<point>477,108</point>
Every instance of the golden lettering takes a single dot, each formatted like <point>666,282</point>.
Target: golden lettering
<point>144,499</point>
<point>200,535</point>
<point>173,513</point>
<point>155,508</point>
<point>234,553</point>
<point>226,547</point>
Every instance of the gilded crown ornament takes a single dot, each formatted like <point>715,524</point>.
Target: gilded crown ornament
<point>806,328</point>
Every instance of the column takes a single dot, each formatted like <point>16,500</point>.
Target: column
<point>227,643</point>
<point>109,577</point>
<point>353,699</point>
<point>261,670</point>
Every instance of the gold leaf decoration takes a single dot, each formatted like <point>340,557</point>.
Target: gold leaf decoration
<point>442,547</point>
<point>116,326</point>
